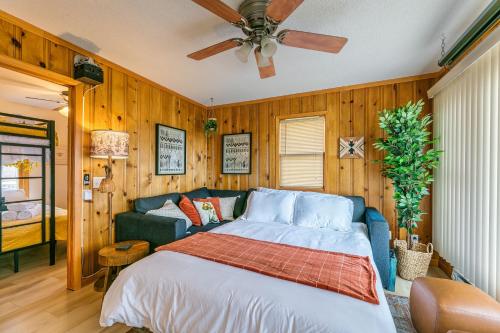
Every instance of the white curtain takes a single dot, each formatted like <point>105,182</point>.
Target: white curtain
<point>466,202</point>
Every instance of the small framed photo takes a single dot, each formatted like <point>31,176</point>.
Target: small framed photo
<point>170,150</point>
<point>237,153</point>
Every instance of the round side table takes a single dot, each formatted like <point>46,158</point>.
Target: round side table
<point>113,259</point>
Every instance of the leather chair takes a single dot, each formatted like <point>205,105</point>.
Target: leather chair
<point>441,306</point>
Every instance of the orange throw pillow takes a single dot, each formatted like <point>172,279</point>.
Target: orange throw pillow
<point>216,203</point>
<point>189,209</point>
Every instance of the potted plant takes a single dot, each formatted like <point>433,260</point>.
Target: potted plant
<point>210,126</point>
<point>408,162</point>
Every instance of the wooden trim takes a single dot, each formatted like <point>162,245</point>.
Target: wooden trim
<point>75,130</point>
<point>278,119</point>
<point>337,89</point>
<point>27,26</point>
<point>36,71</point>
<point>75,188</point>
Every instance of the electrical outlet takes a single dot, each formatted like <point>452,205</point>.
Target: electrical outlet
<point>414,239</point>
<point>96,181</point>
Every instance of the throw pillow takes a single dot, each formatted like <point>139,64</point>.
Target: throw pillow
<point>215,202</point>
<point>170,209</point>
<point>207,212</point>
<point>189,209</point>
<point>227,208</point>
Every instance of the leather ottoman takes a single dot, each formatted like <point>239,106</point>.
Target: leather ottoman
<point>440,305</point>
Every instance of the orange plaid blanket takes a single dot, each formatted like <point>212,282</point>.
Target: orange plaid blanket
<point>346,274</point>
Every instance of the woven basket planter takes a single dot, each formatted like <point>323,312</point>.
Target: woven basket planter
<point>413,263</point>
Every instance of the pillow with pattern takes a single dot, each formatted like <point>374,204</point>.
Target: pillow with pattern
<point>207,212</point>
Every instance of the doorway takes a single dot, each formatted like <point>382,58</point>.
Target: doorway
<point>73,157</point>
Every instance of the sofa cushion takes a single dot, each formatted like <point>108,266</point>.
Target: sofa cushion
<point>359,208</point>
<point>194,229</point>
<point>241,202</point>
<point>143,205</point>
<point>201,193</point>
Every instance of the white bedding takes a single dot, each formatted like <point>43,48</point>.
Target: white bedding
<point>174,292</point>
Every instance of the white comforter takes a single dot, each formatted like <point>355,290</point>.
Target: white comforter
<point>174,292</point>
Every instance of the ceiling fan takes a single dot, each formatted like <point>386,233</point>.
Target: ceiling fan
<point>63,108</point>
<point>259,21</point>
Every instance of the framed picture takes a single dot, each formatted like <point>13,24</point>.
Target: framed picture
<point>237,153</point>
<point>352,147</point>
<point>170,150</point>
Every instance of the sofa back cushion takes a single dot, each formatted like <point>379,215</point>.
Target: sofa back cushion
<point>143,205</point>
<point>200,193</point>
<point>359,208</point>
<point>241,202</point>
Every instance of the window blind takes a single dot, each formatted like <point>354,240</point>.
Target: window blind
<point>466,202</point>
<point>302,148</point>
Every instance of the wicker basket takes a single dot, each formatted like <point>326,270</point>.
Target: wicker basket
<point>415,262</point>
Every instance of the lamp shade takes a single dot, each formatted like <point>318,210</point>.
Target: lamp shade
<point>106,143</point>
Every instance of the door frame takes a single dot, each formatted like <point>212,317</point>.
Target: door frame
<point>75,158</point>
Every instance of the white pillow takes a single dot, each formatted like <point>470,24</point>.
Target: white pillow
<point>276,206</point>
<point>207,212</point>
<point>170,209</point>
<point>14,195</point>
<point>318,210</point>
<point>227,207</point>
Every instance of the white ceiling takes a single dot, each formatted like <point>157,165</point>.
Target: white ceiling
<point>22,89</point>
<point>387,39</point>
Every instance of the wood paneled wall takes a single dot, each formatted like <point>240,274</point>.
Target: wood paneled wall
<point>349,112</point>
<point>126,102</point>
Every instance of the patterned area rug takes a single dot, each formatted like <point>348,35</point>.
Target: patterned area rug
<point>400,310</point>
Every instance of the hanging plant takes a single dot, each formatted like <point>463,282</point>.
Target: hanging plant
<point>409,160</point>
<point>210,126</point>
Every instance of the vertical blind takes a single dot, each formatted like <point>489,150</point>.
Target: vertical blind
<point>302,149</point>
<point>466,202</point>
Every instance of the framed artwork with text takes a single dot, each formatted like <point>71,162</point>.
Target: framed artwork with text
<point>170,150</point>
<point>237,153</point>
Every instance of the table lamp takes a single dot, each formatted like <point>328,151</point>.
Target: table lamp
<point>110,145</point>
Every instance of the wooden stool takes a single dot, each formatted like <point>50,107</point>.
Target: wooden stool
<point>113,259</point>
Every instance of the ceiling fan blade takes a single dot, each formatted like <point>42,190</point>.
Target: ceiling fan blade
<point>222,10</point>
<point>312,41</point>
<point>279,10</point>
<point>215,49</point>
<point>267,71</point>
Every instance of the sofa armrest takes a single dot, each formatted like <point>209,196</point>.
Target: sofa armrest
<point>157,230</point>
<point>378,231</point>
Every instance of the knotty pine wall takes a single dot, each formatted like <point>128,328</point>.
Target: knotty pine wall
<point>125,102</point>
<point>350,112</point>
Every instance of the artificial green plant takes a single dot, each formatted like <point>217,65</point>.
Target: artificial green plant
<point>409,160</point>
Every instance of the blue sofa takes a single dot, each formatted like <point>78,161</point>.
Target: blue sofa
<point>159,230</point>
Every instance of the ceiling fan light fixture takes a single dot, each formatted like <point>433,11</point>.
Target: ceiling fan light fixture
<point>268,48</point>
<point>261,60</point>
<point>244,52</point>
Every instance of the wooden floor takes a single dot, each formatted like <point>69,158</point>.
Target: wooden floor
<point>36,299</point>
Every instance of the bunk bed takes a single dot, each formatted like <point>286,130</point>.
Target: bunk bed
<point>29,217</point>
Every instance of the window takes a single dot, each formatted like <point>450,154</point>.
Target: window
<point>10,172</point>
<point>302,152</point>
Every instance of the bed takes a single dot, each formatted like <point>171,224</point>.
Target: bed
<point>23,233</point>
<point>174,292</point>
<point>28,216</point>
